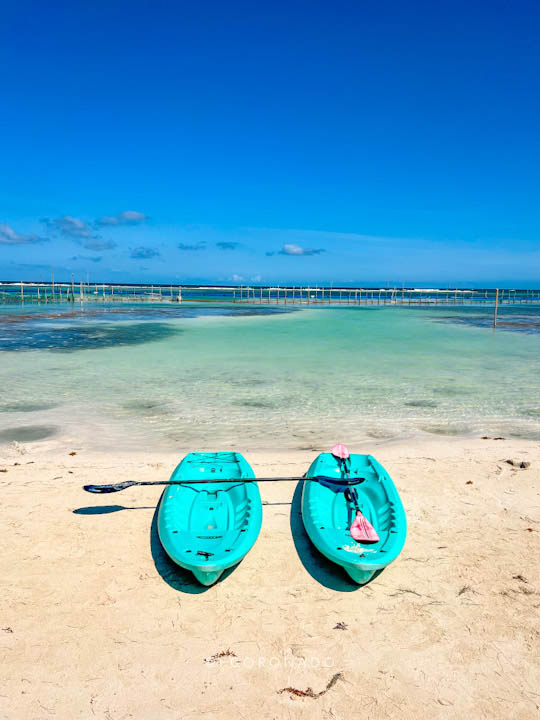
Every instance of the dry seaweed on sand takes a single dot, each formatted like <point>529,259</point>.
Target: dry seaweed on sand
<point>522,464</point>
<point>219,655</point>
<point>467,588</point>
<point>308,692</point>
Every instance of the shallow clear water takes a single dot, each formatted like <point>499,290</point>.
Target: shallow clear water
<point>203,376</point>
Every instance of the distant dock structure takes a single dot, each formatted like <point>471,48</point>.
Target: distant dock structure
<point>85,292</point>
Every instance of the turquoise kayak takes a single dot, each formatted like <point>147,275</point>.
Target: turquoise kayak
<point>328,512</point>
<point>207,528</point>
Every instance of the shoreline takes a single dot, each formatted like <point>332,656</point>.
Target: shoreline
<point>64,442</point>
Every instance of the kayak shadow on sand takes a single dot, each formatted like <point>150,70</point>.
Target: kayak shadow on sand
<point>318,566</point>
<point>175,576</point>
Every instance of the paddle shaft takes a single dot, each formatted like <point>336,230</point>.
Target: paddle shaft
<point>117,487</point>
<point>219,480</point>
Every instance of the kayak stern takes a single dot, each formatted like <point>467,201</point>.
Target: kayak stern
<point>207,578</point>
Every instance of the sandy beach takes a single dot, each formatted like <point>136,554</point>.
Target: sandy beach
<point>271,230</point>
<point>95,621</point>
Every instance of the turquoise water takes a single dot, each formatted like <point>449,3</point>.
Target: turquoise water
<point>217,377</point>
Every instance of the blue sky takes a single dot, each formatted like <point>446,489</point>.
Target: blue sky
<point>292,142</point>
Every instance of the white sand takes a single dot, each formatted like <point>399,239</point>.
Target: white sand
<point>96,623</point>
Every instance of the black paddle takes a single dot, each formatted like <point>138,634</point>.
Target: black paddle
<point>131,483</point>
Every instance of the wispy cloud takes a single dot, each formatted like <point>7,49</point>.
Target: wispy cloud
<point>32,266</point>
<point>228,245</point>
<point>144,253</point>
<point>236,278</point>
<point>99,245</point>
<point>71,227</point>
<point>193,248</point>
<point>8,236</point>
<point>79,231</point>
<point>85,232</point>
<point>127,217</point>
<point>87,257</point>
<point>297,250</point>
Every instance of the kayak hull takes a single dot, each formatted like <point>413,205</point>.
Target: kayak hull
<point>209,528</point>
<point>327,516</point>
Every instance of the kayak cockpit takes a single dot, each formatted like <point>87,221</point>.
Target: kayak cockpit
<point>209,528</point>
<point>328,514</point>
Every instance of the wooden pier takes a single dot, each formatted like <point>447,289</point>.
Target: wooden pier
<point>57,292</point>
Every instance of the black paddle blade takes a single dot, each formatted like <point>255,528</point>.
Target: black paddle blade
<point>109,488</point>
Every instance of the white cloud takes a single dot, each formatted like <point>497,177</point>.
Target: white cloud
<point>98,244</point>
<point>294,249</point>
<point>127,217</point>
<point>8,236</point>
<point>228,245</point>
<point>193,247</point>
<point>144,253</point>
<point>80,231</point>
<point>69,226</point>
<point>86,257</point>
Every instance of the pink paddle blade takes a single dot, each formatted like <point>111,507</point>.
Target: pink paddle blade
<point>341,451</point>
<point>362,530</point>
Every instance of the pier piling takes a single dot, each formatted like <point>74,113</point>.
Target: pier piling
<point>28,292</point>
